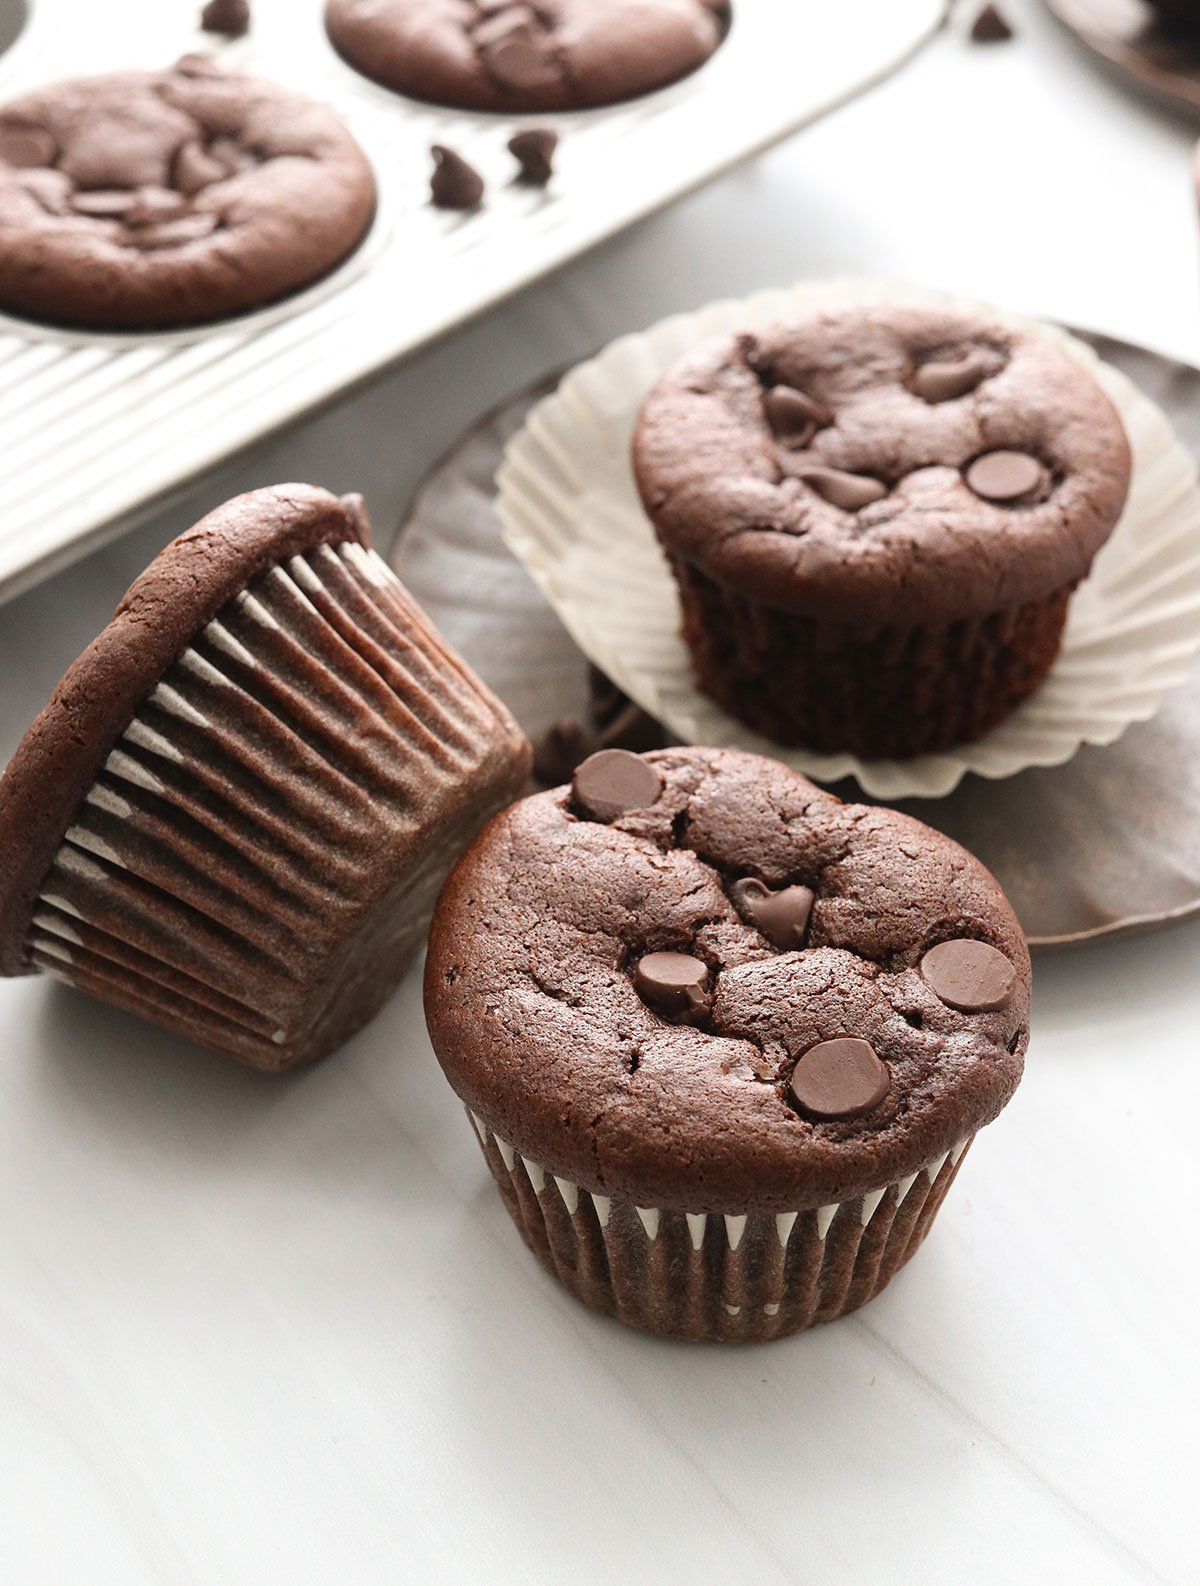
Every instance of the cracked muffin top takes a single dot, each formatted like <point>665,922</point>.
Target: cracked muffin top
<point>150,200</point>
<point>884,464</point>
<point>544,55</point>
<point>695,981</point>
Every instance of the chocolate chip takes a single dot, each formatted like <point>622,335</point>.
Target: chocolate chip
<point>454,184</point>
<point>990,27</point>
<point>850,492</point>
<point>194,169</point>
<point>782,917</point>
<point>1006,476</point>
<point>154,205</point>
<point>943,379</point>
<point>24,147</point>
<point>971,976</point>
<point>228,17</point>
<point>674,984</point>
<point>533,149</point>
<point>842,1078</point>
<point>514,50</point>
<point>793,416</point>
<point>104,203</point>
<point>613,782</point>
<point>559,750</point>
<point>174,233</point>
<point>197,66</point>
<point>229,153</point>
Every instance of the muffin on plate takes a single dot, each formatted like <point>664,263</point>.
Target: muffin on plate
<point>154,200</point>
<point>876,517</point>
<point>493,55</point>
<point>234,815</point>
<point>724,1038</point>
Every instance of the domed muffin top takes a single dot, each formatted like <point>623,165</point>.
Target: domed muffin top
<point>695,981</point>
<point>886,464</point>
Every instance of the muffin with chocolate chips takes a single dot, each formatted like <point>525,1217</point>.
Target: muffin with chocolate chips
<point>152,200</point>
<point>545,55</point>
<point>876,517</point>
<point>724,1038</point>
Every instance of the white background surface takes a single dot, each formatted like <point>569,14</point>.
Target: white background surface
<point>256,1332</point>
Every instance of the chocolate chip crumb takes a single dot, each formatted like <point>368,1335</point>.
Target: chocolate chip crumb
<point>230,18</point>
<point>454,184</point>
<point>533,149</point>
<point>990,27</point>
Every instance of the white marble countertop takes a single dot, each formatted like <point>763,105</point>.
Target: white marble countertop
<point>256,1332</point>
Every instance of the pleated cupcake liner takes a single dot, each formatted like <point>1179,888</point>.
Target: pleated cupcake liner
<point>252,867</point>
<point>736,1278</point>
<point>905,692</point>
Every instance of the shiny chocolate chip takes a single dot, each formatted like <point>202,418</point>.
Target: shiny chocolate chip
<point>533,149</point>
<point>970,976</point>
<point>514,50</point>
<point>454,184</point>
<point>944,379</point>
<point>154,205</point>
<point>1006,477</point>
<point>105,203</point>
<point>850,492</point>
<point>173,233</point>
<point>782,917</point>
<point>230,18</point>
<point>793,416</point>
<point>673,984</point>
<point>24,147</point>
<point>842,1078</point>
<point>613,782</point>
<point>991,27</point>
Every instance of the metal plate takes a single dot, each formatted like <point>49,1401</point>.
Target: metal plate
<point>1108,843</point>
<point>99,430</point>
<point>1122,33</point>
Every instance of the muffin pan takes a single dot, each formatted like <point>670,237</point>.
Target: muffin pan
<point>140,416</point>
<point>1116,846</point>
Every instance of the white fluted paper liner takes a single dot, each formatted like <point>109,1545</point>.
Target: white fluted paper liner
<point>744,1277</point>
<point>570,511</point>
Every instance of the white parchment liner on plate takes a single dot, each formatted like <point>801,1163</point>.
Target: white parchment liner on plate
<point>570,510</point>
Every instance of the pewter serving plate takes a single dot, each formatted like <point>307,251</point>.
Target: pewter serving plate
<point>1108,843</point>
<point>97,431</point>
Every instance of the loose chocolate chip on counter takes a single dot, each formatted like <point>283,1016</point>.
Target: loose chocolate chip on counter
<point>514,50</point>
<point>25,147</point>
<point>613,782</point>
<point>782,917</point>
<point>559,750</point>
<point>990,27</point>
<point>454,184</point>
<point>228,17</point>
<point>533,149</point>
<point>842,1078</point>
<point>1006,476</point>
<point>850,492</point>
<point>105,203</point>
<point>674,984</point>
<point>970,976</point>
<point>793,416</point>
<point>943,379</point>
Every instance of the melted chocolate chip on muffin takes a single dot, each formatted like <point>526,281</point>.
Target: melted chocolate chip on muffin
<point>545,55</point>
<point>147,200</point>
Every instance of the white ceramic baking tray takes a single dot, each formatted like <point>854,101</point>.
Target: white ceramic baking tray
<point>98,430</point>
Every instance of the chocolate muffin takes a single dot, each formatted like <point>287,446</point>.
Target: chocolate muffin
<point>153,200</point>
<point>724,1038</point>
<point>235,813</point>
<point>546,55</point>
<point>876,517</point>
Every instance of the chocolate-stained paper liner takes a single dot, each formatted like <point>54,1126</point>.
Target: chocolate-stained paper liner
<point>739,1278</point>
<point>251,867</point>
<point>569,510</point>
